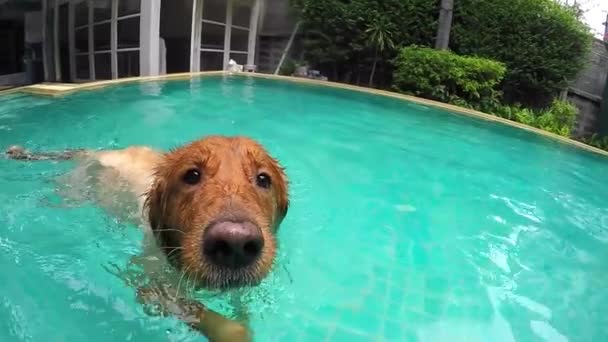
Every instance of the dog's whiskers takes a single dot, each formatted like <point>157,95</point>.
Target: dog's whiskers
<point>194,276</point>
<point>171,247</point>
<point>169,230</point>
<point>172,255</point>
<point>181,278</point>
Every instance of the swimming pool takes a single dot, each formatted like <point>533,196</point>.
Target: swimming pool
<point>407,223</point>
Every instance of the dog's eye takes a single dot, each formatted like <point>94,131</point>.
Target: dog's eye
<point>192,176</point>
<point>263,180</point>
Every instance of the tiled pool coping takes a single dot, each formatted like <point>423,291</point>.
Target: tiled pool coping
<point>60,89</point>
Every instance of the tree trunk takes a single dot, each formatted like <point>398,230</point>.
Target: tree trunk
<point>445,24</point>
<point>371,76</point>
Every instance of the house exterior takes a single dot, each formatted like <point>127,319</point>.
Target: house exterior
<point>88,40</point>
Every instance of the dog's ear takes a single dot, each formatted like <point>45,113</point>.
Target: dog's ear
<point>281,192</point>
<point>156,202</point>
<point>156,198</point>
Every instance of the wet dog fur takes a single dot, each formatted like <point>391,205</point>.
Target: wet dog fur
<point>211,208</point>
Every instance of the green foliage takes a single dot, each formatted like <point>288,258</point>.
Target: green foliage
<point>596,141</point>
<point>558,118</point>
<point>288,67</point>
<point>380,35</point>
<point>447,77</point>
<point>541,42</point>
<point>339,36</point>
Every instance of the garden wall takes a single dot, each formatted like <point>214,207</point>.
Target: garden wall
<point>587,89</point>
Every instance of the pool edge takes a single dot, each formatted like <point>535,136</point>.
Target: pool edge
<point>47,89</point>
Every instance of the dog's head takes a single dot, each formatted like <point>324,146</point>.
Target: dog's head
<point>215,207</point>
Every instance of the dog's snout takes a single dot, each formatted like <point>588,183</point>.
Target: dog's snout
<point>232,244</point>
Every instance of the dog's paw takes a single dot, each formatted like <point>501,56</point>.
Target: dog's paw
<point>232,332</point>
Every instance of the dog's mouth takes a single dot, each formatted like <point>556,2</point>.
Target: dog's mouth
<point>224,279</point>
<point>232,250</point>
<point>232,254</point>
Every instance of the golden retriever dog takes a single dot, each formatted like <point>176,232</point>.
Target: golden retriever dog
<point>211,209</point>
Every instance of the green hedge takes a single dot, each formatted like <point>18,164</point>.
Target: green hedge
<point>541,42</point>
<point>448,77</point>
<point>472,82</point>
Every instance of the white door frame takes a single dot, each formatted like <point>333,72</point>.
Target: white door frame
<point>149,37</point>
<point>253,31</point>
<point>45,44</point>
<point>56,52</point>
<point>196,34</point>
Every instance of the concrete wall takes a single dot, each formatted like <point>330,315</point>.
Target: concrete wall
<point>33,27</point>
<point>16,79</point>
<point>587,89</point>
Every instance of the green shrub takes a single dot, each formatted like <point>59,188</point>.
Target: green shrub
<point>541,42</point>
<point>335,39</point>
<point>596,141</point>
<point>559,118</point>
<point>525,116</point>
<point>447,77</point>
<point>288,67</point>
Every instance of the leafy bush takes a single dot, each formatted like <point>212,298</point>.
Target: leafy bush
<point>596,141</point>
<point>541,42</point>
<point>335,38</point>
<point>559,118</point>
<point>288,67</point>
<point>447,77</point>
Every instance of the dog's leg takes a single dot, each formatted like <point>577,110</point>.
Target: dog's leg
<point>20,153</point>
<point>160,296</point>
<point>212,325</point>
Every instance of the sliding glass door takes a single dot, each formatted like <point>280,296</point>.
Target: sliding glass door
<point>227,30</point>
<point>104,39</point>
<point>213,32</point>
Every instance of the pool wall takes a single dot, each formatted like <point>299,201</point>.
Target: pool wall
<point>62,89</point>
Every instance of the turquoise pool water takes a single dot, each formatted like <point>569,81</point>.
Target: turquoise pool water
<point>406,224</point>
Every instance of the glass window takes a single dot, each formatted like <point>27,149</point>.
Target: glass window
<point>126,7</point>
<point>239,40</point>
<point>215,10</point>
<point>212,61</point>
<point>81,40</point>
<point>82,67</point>
<point>102,37</point>
<point>212,36</point>
<point>128,63</point>
<point>128,33</point>
<point>103,66</point>
<point>241,12</point>
<point>81,13</point>
<point>102,10</point>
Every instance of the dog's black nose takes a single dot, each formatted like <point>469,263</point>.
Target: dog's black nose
<point>232,244</point>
